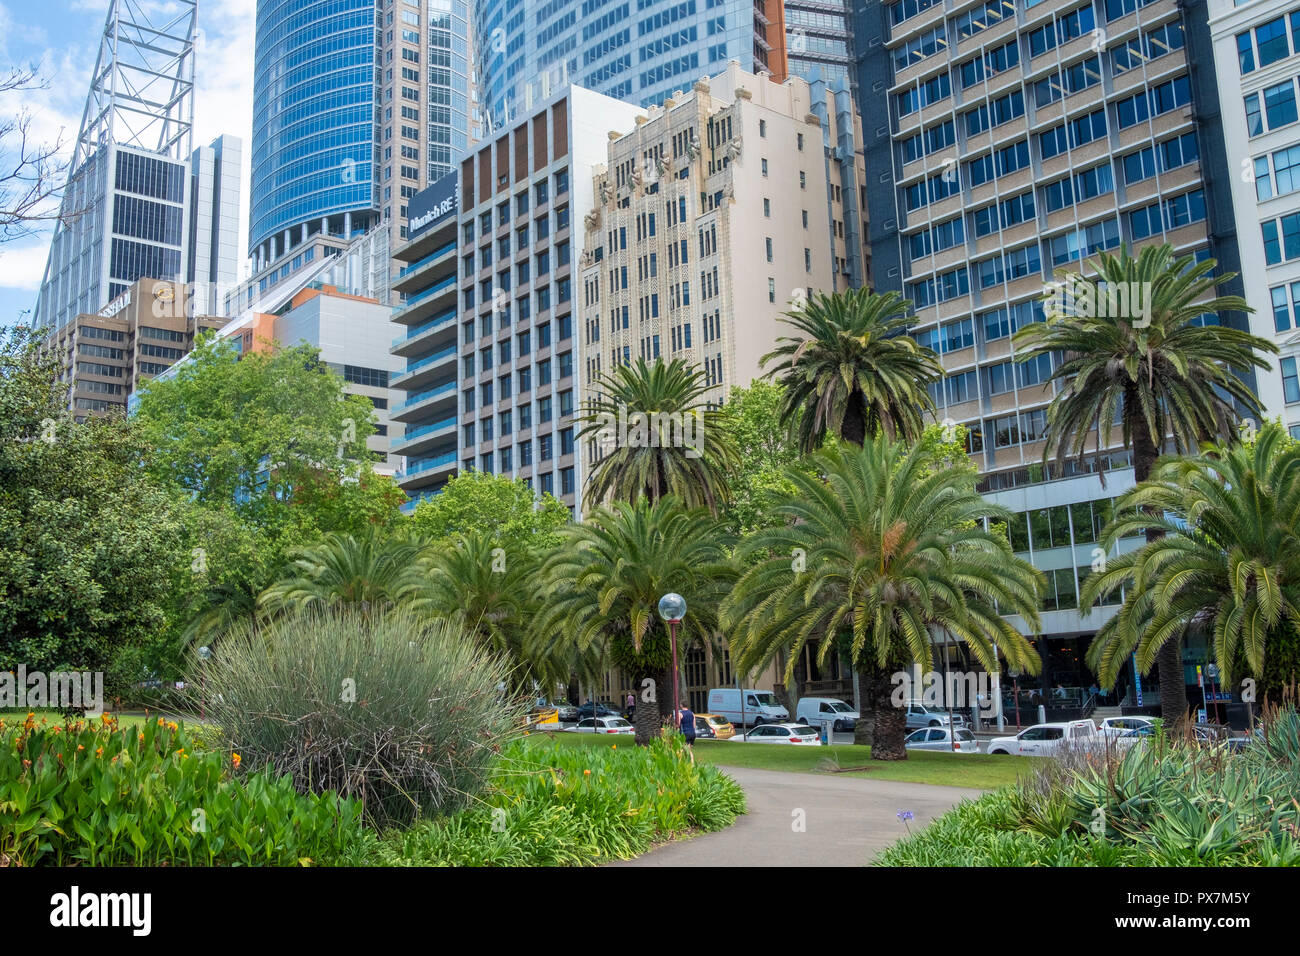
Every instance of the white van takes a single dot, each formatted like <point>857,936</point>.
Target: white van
<point>816,711</point>
<point>761,706</point>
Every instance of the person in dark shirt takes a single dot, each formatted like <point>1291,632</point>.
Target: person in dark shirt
<point>686,724</point>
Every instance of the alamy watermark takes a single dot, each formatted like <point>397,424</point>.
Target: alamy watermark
<point>959,689</point>
<point>651,430</point>
<point>1075,296</point>
<point>60,690</point>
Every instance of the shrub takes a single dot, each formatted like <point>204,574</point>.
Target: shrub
<point>1161,803</point>
<point>399,712</point>
<point>96,794</point>
<point>552,805</point>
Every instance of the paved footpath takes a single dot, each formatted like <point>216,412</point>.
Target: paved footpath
<point>848,820</point>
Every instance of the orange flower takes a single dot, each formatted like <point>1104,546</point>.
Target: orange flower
<point>142,738</point>
<point>161,721</point>
<point>99,751</point>
<point>81,746</point>
<point>173,725</point>
<point>586,773</point>
<point>235,759</point>
<point>615,747</point>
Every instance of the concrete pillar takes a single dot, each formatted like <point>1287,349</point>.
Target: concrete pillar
<point>324,225</point>
<point>304,232</point>
<point>347,225</point>
<point>288,240</point>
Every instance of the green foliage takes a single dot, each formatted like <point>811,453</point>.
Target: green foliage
<point>1172,375</point>
<point>1161,803</point>
<point>604,582</point>
<point>691,461</point>
<point>369,572</point>
<point>551,805</point>
<point>88,545</point>
<point>1228,560</point>
<point>504,508</point>
<point>399,712</point>
<point>853,372</point>
<point>96,795</point>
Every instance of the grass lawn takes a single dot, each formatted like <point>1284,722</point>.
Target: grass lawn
<point>55,717</point>
<point>980,771</point>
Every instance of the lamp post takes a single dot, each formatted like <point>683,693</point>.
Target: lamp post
<point>204,653</point>
<point>1212,671</point>
<point>672,608</point>
<point>1015,684</point>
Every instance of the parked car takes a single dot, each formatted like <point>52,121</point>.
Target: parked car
<point>925,715</point>
<point>1119,726</point>
<point>604,725</point>
<point>1043,740</point>
<point>716,726</point>
<point>783,734</point>
<point>760,706</point>
<point>960,741</point>
<point>602,710</point>
<point>815,711</point>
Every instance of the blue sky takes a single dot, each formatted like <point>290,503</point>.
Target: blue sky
<point>61,39</point>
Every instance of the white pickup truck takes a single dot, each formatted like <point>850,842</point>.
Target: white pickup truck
<point>1043,740</point>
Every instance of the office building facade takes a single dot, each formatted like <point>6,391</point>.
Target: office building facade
<point>124,211</point>
<point>425,384</point>
<point>1257,61</point>
<point>358,105</point>
<point>522,197</point>
<point>714,215</point>
<point>818,41</point>
<point>1007,140</point>
<point>636,51</point>
<point>105,356</point>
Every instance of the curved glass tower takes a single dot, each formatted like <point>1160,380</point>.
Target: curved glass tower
<point>314,120</point>
<point>634,50</point>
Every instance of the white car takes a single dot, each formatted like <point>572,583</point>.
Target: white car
<point>782,734</point>
<point>940,738</point>
<point>604,725</point>
<point>924,715</point>
<point>1119,726</point>
<point>1044,740</point>
<point>816,711</point>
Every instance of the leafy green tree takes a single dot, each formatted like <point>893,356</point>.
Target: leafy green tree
<point>261,431</point>
<point>505,508</point>
<point>1227,563</point>
<point>853,371</point>
<point>1152,366</point>
<point>603,586</point>
<point>889,547</point>
<point>88,544</point>
<point>751,419</point>
<point>673,445</point>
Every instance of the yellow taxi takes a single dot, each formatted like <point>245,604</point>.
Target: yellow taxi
<point>711,725</point>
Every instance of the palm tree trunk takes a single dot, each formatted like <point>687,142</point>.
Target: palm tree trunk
<point>890,725</point>
<point>854,427</point>
<point>1169,658</point>
<point>649,713</point>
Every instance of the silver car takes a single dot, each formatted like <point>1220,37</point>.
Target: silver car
<point>923,715</point>
<point>960,740</point>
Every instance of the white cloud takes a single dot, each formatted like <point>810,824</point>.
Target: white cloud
<point>22,264</point>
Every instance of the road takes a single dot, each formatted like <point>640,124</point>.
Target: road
<point>805,819</point>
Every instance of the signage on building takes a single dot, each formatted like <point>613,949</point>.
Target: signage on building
<point>117,305</point>
<point>432,205</point>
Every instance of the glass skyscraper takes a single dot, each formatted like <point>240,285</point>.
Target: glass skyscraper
<point>633,50</point>
<point>357,105</point>
<point>314,116</point>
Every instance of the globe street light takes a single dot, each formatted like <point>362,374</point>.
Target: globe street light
<point>672,608</point>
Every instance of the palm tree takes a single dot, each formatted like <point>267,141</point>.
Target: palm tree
<point>1227,562</point>
<point>660,437</point>
<point>605,580</point>
<point>889,548</point>
<point>1154,367</point>
<point>854,372</point>
<point>226,606</point>
<point>472,577</point>
<point>373,571</point>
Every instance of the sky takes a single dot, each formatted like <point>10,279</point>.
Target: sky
<point>60,39</point>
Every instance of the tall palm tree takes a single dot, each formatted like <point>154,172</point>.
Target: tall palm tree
<point>226,606</point>
<point>1150,364</point>
<point>854,371</point>
<point>1228,562</point>
<point>373,571</point>
<point>659,436</point>
<point>492,588</point>
<point>605,580</point>
<point>888,548</point>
